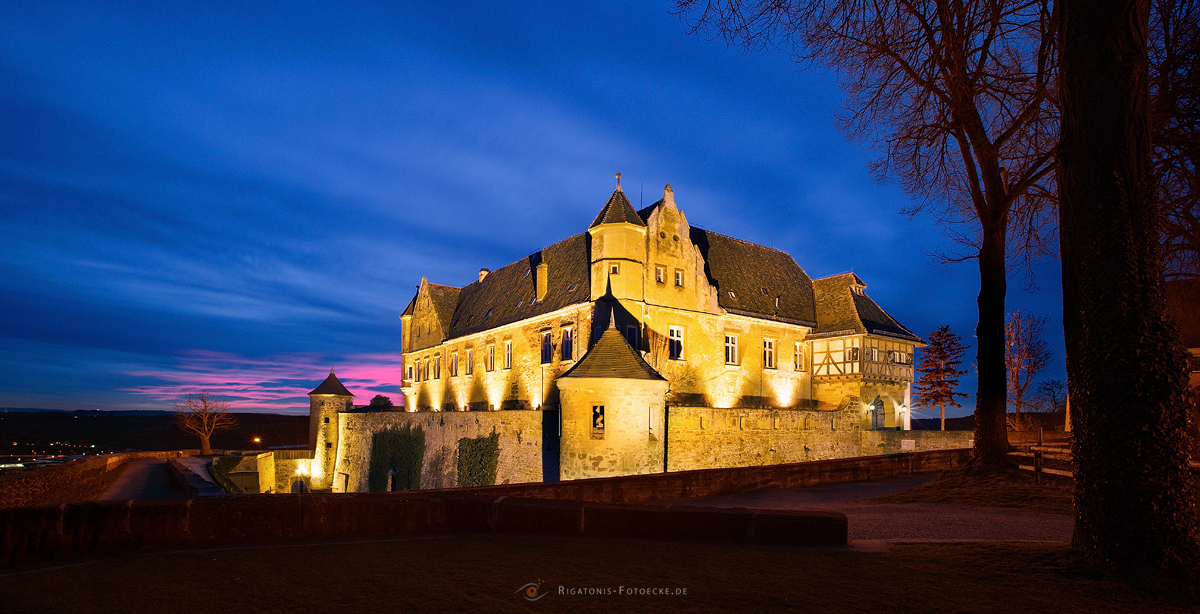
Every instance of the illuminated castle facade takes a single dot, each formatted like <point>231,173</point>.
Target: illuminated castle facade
<point>641,345</point>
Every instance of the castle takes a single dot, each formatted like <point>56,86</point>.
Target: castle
<point>641,345</point>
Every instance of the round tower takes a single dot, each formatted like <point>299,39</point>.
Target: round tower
<point>618,250</point>
<point>324,403</point>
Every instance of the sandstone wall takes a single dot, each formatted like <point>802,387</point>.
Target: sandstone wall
<point>520,444</point>
<point>710,438</point>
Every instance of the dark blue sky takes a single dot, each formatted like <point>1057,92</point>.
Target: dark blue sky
<point>235,197</point>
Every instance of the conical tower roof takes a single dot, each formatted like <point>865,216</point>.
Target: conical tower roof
<point>617,211</point>
<point>612,357</point>
<point>332,385</point>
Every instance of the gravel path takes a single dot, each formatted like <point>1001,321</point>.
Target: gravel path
<point>905,521</point>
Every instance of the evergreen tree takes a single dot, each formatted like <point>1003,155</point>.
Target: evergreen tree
<point>381,401</point>
<point>939,372</point>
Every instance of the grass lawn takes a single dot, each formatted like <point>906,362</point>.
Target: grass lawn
<point>485,573</point>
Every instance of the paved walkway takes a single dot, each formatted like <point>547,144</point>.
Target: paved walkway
<point>143,479</point>
<point>905,521</point>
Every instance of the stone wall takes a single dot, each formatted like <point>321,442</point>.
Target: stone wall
<point>893,442</point>
<point>520,445</point>
<point>70,482</point>
<point>710,438</point>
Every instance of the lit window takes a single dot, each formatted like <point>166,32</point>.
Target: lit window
<point>568,344</point>
<point>547,348</point>
<point>768,353</point>
<point>798,357</point>
<point>454,364</point>
<point>851,353</point>
<point>470,362</point>
<point>679,278</point>
<point>874,355</point>
<point>660,274</point>
<point>731,349</point>
<point>508,354</point>
<point>437,367</point>
<point>490,362</point>
<point>614,269</point>
<point>631,335</point>
<point>598,421</point>
<point>675,343</point>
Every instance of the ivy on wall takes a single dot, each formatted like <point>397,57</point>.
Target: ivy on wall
<point>478,458</point>
<point>396,457</point>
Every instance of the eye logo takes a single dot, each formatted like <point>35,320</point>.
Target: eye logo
<point>532,591</point>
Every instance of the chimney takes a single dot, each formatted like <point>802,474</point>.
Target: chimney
<point>542,273</point>
<point>483,273</point>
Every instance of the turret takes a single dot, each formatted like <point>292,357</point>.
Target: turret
<point>324,403</point>
<point>618,251</point>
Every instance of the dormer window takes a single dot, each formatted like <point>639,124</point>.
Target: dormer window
<point>732,295</point>
<point>573,286</point>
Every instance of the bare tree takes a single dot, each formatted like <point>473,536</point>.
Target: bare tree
<point>939,372</point>
<point>1135,495</point>
<point>1174,54</point>
<point>1025,354</point>
<point>202,415</point>
<point>1050,395</point>
<point>958,98</point>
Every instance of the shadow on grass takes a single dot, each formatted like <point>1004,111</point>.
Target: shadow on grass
<point>999,488</point>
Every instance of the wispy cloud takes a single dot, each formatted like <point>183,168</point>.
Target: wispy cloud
<point>275,382</point>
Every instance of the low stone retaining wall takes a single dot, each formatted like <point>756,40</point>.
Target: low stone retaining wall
<point>69,482</point>
<point>706,482</point>
<point>193,485</point>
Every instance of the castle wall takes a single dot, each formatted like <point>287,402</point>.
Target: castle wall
<point>520,445</point>
<point>710,438</point>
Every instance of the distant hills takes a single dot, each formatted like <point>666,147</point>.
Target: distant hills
<point>145,430</point>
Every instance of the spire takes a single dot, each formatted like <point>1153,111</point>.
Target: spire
<point>619,183</point>
<point>332,385</point>
<point>612,318</point>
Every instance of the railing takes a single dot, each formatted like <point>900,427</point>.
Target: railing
<point>1043,452</point>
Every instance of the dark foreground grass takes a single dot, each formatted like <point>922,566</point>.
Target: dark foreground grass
<point>1000,487</point>
<point>485,573</point>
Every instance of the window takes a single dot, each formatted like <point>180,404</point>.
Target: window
<point>660,274</point>
<point>409,370</point>
<point>675,343</point>
<point>470,362</point>
<point>798,357</point>
<point>768,353</point>
<point>508,354</point>
<point>679,277</point>
<point>874,354</point>
<point>425,375</point>
<point>631,335</point>
<point>454,364</point>
<point>851,353</point>
<point>547,346</point>
<point>568,344</point>
<point>598,422</point>
<point>731,349</point>
<point>437,367</point>
<point>614,269</point>
<point>489,363</point>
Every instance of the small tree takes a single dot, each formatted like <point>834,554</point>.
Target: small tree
<point>1025,354</point>
<point>939,372</point>
<point>381,401</point>
<point>202,415</point>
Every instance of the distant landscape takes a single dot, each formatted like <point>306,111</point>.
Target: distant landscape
<point>49,432</point>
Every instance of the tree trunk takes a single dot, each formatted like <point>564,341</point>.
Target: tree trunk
<point>991,399</point>
<point>1126,367</point>
<point>943,408</point>
<point>205,446</point>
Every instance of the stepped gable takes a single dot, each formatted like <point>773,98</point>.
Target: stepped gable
<point>617,211</point>
<point>332,385</point>
<point>506,294</point>
<point>843,306</point>
<point>612,357</point>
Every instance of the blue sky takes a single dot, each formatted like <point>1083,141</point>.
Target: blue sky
<point>236,197</point>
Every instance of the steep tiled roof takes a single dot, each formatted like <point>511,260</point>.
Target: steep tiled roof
<point>332,385</point>
<point>612,357</point>
<point>506,294</point>
<point>617,210</point>
<point>842,309</point>
<point>756,276</point>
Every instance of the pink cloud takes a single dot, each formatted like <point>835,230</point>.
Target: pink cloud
<point>279,382</point>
